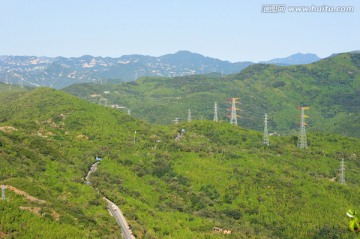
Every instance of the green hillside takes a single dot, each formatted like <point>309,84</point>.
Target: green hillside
<point>331,87</point>
<point>214,175</point>
<point>46,151</point>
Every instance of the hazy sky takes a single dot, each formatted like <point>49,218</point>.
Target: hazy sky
<point>232,30</point>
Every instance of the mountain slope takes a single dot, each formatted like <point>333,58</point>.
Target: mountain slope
<point>60,71</point>
<point>170,183</point>
<point>46,154</point>
<point>330,87</point>
<point>295,59</point>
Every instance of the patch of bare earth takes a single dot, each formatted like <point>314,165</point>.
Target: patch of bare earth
<point>35,210</point>
<point>25,194</point>
<point>3,234</point>
<point>7,129</point>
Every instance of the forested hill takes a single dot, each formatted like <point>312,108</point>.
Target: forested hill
<point>169,182</point>
<point>331,87</point>
<point>46,149</point>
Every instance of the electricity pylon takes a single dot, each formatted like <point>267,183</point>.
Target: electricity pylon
<point>22,83</point>
<point>7,82</point>
<point>233,116</point>
<point>189,115</point>
<point>302,141</point>
<point>342,171</point>
<point>129,112</point>
<point>176,120</point>
<point>266,132</point>
<point>3,187</point>
<point>216,119</point>
<point>103,101</point>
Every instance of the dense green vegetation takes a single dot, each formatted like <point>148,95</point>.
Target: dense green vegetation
<point>42,154</point>
<point>216,175</point>
<point>331,88</point>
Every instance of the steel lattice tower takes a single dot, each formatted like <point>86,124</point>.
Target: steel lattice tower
<point>302,141</point>
<point>266,133</point>
<point>342,172</point>
<point>189,115</point>
<point>216,119</point>
<point>176,120</point>
<point>233,116</point>
<point>103,101</point>
<point>21,83</point>
<point>3,187</point>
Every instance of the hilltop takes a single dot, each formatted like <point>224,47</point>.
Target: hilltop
<point>213,175</point>
<point>60,72</point>
<point>295,59</point>
<point>330,87</point>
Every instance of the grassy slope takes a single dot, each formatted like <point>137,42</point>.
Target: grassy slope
<point>330,87</point>
<point>216,175</point>
<point>47,154</point>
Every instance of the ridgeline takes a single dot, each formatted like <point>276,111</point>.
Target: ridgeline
<point>331,88</point>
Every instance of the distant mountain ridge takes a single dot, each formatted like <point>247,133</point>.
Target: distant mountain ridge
<point>330,87</point>
<point>60,72</point>
<point>296,59</point>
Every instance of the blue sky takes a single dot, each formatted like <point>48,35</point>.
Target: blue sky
<point>232,30</point>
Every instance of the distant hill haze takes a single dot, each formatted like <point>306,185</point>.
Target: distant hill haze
<point>296,59</point>
<point>60,72</point>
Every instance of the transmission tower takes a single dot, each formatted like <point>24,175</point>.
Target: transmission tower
<point>342,171</point>
<point>266,133</point>
<point>216,119</point>
<point>233,116</point>
<point>43,73</point>
<point>189,115</point>
<point>21,83</point>
<point>302,142</point>
<point>3,187</point>
<point>176,120</point>
<point>7,82</point>
<point>129,112</point>
<point>103,101</point>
